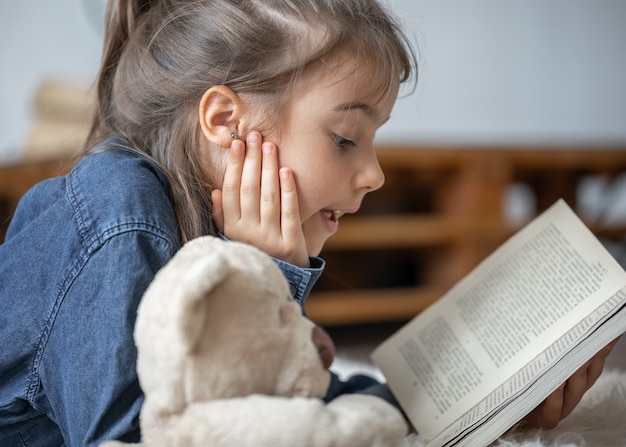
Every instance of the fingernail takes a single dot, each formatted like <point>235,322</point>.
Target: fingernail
<point>253,137</point>
<point>284,173</point>
<point>237,146</point>
<point>267,148</point>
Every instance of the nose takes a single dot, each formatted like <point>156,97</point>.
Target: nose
<point>325,346</point>
<point>371,176</point>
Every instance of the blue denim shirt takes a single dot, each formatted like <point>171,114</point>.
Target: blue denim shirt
<point>78,256</point>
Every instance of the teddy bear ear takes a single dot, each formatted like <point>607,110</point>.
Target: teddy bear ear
<point>201,276</point>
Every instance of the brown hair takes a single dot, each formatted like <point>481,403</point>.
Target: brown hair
<point>160,56</point>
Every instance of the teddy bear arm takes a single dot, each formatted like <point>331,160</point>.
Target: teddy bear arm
<point>357,421</point>
<point>369,420</point>
<point>247,421</point>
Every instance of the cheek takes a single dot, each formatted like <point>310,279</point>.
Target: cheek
<point>317,171</point>
<point>313,197</point>
<point>312,192</point>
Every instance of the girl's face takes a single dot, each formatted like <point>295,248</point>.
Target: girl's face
<point>327,141</point>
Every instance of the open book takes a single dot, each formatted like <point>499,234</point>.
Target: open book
<point>512,331</point>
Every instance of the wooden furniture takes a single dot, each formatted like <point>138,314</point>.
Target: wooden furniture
<point>441,211</point>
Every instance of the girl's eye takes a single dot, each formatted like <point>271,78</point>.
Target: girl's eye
<point>343,143</point>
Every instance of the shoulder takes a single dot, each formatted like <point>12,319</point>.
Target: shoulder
<point>117,191</point>
<point>118,168</point>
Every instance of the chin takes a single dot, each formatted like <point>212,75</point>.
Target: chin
<point>315,249</point>
<point>314,253</point>
<point>315,240</point>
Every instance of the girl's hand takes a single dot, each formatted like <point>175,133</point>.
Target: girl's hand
<point>561,402</point>
<point>258,202</point>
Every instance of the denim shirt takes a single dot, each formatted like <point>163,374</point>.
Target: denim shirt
<point>78,256</point>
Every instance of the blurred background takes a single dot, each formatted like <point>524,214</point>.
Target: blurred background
<point>517,104</point>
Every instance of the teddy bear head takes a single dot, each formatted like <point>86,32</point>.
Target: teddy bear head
<point>218,321</point>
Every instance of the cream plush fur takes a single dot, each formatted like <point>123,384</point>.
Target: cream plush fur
<point>227,359</point>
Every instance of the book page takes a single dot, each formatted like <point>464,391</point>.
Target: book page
<point>511,308</point>
<point>575,347</point>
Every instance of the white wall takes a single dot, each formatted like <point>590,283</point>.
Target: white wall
<point>41,39</point>
<point>506,70</point>
<point>491,70</point>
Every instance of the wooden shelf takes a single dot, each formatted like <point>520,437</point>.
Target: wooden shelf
<point>398,231</point>
<point>369,306</point>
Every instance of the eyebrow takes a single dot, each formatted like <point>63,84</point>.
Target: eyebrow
<point>368,109</point>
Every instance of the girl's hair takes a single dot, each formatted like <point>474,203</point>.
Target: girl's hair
<point>160,56</point>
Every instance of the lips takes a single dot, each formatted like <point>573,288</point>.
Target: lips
<point>331,218</point>
<point>332,215</point>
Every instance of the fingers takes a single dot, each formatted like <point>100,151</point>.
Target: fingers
<point>548,414</point>
<point>575,388</point>
<point>578,384</point>
<point>290,223</point>
<point>217,210</point>
<point>563,400</point>
<point>250,189</point>
<point>258,202</point>
<point>608,348</point>
<point>290,214</point>
<point>251,178</point>
<point>230,203</point>
<point>270,190</point>
<point>550,410</point>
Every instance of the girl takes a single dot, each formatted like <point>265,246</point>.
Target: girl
<point>195,99</point>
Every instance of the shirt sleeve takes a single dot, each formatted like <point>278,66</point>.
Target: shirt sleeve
<point>88,379</point>
<point>301,280</point>
<point>360,384</point>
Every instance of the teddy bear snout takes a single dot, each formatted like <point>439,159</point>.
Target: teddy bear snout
<point>325,346</point>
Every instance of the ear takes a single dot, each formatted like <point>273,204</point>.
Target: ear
<point>201,277</point>
<point>220,112</point>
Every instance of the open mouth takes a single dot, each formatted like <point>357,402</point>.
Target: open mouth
<point>332,215</point>
<point>331,219</point>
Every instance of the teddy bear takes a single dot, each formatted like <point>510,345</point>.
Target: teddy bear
<point>227,358</point>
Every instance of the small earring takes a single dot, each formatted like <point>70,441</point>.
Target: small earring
<point>233,135</point>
